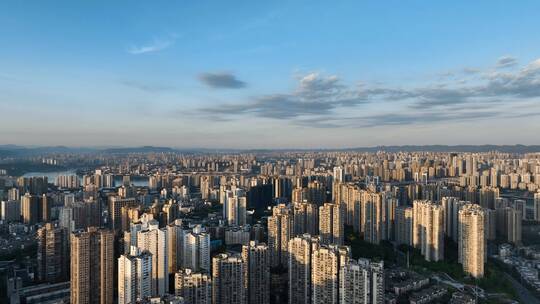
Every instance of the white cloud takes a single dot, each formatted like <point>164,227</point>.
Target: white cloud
<point>506,61</point>
<point>155,46</point>
<point>323,99</point>
<point>533,66</point>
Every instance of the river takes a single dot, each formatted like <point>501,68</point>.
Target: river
<point>51,177</point>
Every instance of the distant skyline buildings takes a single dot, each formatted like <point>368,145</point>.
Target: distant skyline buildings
<point>294,237</point>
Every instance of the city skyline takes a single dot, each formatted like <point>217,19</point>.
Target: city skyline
<point>272,75</point>
<point>327,226</point>
<point>252,152</point>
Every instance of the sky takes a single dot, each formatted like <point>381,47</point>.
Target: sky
<point>269,74</point>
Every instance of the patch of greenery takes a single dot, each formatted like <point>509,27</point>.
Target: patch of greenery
<point>449,265</point>
<point>452,268</point>
<point>362,249</point>
<point>493,281</point>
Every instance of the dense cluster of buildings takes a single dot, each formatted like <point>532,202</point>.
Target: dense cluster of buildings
<point>261,228</point>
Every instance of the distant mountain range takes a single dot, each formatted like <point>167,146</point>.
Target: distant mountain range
<point>145,149</point>
<point>14,150</point>
<point>21,151</point>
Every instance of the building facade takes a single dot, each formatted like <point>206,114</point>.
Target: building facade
<point>92,266</point>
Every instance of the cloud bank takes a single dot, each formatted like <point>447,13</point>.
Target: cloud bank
<point>326,101</point>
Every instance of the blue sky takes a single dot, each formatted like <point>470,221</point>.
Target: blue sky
<point>263,74</point>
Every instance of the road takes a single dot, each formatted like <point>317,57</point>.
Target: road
<point>525,296</point>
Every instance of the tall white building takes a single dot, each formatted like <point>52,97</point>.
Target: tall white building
<point>326,263</point>
<point>279,233</point>
<point>377,216</point>
<point>228,279</point>
<point>389,204</point>
<point>472,243</point>
<point>338,178</point>
<point>234,208</point>
<point>195,288</point>
<point>196,254</point>
<point>354,284</point>
<point>514,220</point>
<point>339,174</point>
<point>176,245</point>
<point>257,273</point>
<point>331,224</point>
<point>428,229</point>
<point>404,224</point>
<point>361,282</point>
<point>134,276</point>
<point>206,185</point>
<point>68,181</point>
<point>155,240</point>
<point>306,218</point>
<point>376,280</point>
<point>509,223</point>
<point>300,251</point>
<point>451,206</point>
<point>14,194</point>
<point>537,207</point>
<point>371,216</point>
<point>521,205</point>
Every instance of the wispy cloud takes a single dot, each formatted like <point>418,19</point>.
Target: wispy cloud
<point>315,95</point>
<point>396,119</point>
<point>221,80</point>
<point>471,71</point>
<point>410,118</point>
<point>506,61</point>
<point>324,100</point>
<point>156,45</point>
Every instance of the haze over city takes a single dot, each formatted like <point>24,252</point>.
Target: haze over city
<point>246,74</point>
